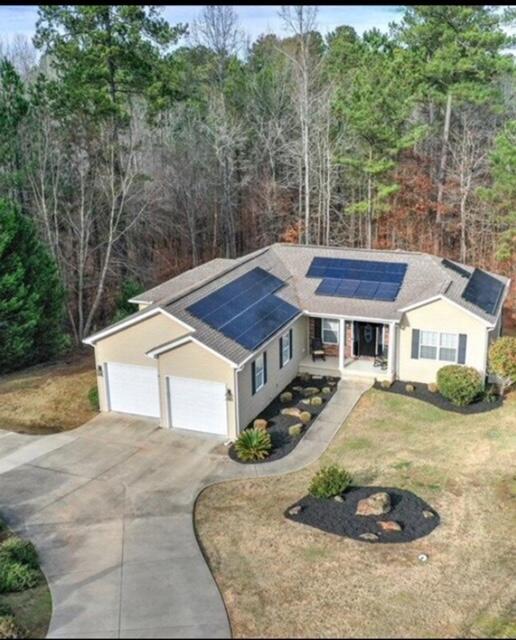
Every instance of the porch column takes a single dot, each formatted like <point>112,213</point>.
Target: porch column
<point>341,342</point>
<point>391,349</point>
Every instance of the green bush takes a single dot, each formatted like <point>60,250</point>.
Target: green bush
<point>93,397</point>
<point>502,360</point>
<point>21,551</point>
<point>15,576</point>
<point>9,629</point>
<point>253,444</point>
<point>461,385</point>
<point>329,482</point>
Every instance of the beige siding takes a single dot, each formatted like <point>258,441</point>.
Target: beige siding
<point>190,360</point>
<point>130,345</point>
<point>444,317</point>
<point>249,405</point>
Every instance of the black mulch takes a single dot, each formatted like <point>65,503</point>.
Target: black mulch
<point>339,517</point>
<point>282,442</point>
<point>422,393</point>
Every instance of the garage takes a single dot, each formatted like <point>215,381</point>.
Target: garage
<point>198,405</point>
<point>133,389</point>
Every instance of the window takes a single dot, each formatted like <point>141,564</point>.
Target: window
<point>259,372</point>
<point>428,345</point>
<point>439,346</point>
<point>285,348</point>
<point>330,331</point>
<point>448,345</point>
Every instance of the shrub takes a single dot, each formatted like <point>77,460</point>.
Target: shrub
<point>386,384</point>
<point>432,387</point>
<point>9,629</point>
<point>410,388</point>
<point>329,482</point>
<point>502,360</point>
<point>21,551</point>
<point>15,576</point>
<point>461,385</point>
<point>93,397</point>
<point>305,416</point>
<point>253,444</point>
<point>295,430</point>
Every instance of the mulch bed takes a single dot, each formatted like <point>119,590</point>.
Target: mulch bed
<point>422,393</point>
<point>282,442</point>
<point>339,517</point>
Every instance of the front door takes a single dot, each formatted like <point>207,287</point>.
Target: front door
<point>367,338</point>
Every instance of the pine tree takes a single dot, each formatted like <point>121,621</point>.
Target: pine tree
<point>31,296</point>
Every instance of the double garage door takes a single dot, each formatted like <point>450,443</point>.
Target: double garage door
<point>198,405</point>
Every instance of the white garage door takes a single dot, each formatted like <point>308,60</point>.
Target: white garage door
<point>198,405</point>
<point>133,389</point>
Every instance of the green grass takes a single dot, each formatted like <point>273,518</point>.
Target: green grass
<point>31,608</point>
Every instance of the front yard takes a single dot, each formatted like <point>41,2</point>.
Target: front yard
<point>48,398</point>
<point>282,579</point>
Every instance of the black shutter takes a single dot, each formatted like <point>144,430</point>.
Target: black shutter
<point>253,377</point>
<point>291,351</point>
<point>415,343</point>
<point>463,341</point>
<point>265,367</point>
<point>281,353</point>
<point>318,328</point>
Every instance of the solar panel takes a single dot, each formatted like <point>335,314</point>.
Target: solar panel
<point>484,291</point>
<point>365,279</point>
<point>246,309</point>
<point>455,267</point>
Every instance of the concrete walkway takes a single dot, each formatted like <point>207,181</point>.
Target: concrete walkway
<point>109,507</point>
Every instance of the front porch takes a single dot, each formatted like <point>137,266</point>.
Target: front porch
<point>350,348</point>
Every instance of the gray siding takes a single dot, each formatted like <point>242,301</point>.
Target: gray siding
<point>249,405</point>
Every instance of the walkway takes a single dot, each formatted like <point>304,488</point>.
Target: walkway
<point>109,507</point>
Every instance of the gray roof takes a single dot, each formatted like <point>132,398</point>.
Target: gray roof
<point>426,277</point>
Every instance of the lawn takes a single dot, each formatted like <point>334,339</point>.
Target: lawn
<point>281,579</point>
<point>48,398</point>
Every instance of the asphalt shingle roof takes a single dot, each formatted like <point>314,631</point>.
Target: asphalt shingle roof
<point>426,277</point>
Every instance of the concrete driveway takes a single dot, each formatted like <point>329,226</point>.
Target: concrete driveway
<point>109,507</point>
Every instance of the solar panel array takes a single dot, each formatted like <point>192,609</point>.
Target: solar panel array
<point>246,310</point>
<point>365,279</point>
<point>484,291</point>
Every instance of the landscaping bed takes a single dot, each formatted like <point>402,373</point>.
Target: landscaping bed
<point>278,424</point>
<point>421,392</point>
<point>413,515</point>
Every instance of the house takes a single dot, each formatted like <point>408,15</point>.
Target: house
<point>209,349</point>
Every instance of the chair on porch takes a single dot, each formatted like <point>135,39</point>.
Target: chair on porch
<point>317,349</point>
<point>380,359</point>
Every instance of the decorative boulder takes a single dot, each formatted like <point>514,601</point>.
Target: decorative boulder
<point>305,377</point>
<point>428,514</point>
<point>286,396</point>
<point>295,429</point>
<point>305,416</point>
<point>389,526</point>
<point>295,510</point>
<point>297,388</point>
<point>317,377</point>
<point>306,401</point>
<point>291,411</point>
<point>376,505</point>
<point>326,390</point>
<point>410,388</point>
<point>311,391</point>
<point>371,537</point>
<point>432,387</point>
<point>260,423</point>
<point>338,499</point>
<point>332,383</point>
<point>316,401</point>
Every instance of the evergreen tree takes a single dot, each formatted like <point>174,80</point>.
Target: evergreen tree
<point>31,296</point>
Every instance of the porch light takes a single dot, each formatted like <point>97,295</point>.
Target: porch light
<point>229,395</point>
<point>100,371</point>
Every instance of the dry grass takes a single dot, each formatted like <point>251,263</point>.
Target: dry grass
<point>281,579</point>
<point>48,398</point>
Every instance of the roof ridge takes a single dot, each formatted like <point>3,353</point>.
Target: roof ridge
<point>343,248</point>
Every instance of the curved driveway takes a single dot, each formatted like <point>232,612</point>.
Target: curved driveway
<point>109,507</point>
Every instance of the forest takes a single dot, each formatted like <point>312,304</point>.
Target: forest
<point>132,149</point>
